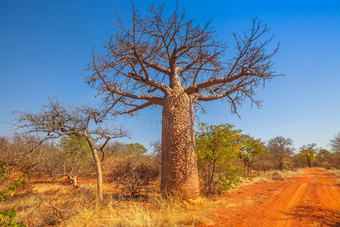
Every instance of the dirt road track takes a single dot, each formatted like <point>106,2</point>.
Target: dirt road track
<point>311,200</point>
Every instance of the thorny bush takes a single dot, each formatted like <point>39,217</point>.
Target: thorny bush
<point>134,176</point>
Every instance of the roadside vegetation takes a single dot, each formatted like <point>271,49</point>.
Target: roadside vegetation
<point>60,177</point>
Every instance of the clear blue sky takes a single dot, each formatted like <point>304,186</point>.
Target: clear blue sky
<point>45,47</point>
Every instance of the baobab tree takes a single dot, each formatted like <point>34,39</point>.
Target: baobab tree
<point>173,63</point>
<point>55,121</point>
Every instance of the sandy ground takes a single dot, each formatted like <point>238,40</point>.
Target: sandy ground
<point>311,200</point>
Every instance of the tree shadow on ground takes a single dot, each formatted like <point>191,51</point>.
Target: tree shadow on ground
<point>315,214</point>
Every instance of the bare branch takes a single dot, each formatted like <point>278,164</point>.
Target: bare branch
<point>56,121</point>
<point>146,61</point>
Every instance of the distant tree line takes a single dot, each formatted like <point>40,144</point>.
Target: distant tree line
<point>69,159</point>
<point>225,155</point>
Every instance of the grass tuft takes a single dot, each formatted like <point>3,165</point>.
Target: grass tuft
<point>157,211</point>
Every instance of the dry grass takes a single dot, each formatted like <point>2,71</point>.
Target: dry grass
<point>54,204</point>
<point>336,173</point>
<point>333,171</point>
<point>265,177</point>
<point>61,205</point>
<point>156,211</point>
<point>46,204</point>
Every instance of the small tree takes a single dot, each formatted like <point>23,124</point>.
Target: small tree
<point>335,143</point>
<point>49,161</point>
<point>336,160</point>
<point>25,154</point>
<point>133,176</point>
<point>307,154</point>
<point>76,155</point>
<point>128,151</point>
<point>137,147</point>
<point>56,121</point>
<point>218,148</point>
<point>324,158</point>
<point>280,149</point>
<point>262,163</point>
<point>250,149</point>
<point>157,150</point>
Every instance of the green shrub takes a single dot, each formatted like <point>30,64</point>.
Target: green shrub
<point>7,216</point>
<point>219,161</point>
<point>224,156</point>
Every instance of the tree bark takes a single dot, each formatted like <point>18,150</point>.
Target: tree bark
<point>99,174</point>
<point>98,167</point>
<point>179,172</point>
<point>280,165</point>
<point>75,181</point>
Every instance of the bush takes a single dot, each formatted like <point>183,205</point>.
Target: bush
<point>325,165</point>
<point>262,163</point>
<point>134,176</point>
<point>277,176</point>
<point>7,216</point>
<point>28,156</point>
<point>218,154</point>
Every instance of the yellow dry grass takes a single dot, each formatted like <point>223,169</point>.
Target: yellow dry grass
<point>336,173</point>
<point>265,177</point>
<point>155,212</point>
<point>55,204</point>
<point>333,171</point>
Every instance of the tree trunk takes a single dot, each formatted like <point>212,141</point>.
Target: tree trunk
<point>309,162</point>
<point>98,167</point>
<point>99,174</point>
<point>75,181</point>
<point>179,162</point>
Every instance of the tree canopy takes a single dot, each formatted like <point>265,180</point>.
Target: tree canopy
<point>335,143</point>
<point>144,61</point>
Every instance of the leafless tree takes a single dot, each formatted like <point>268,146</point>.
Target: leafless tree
<point>21,153</point>
<point>335,143</point>
<point>173,63</point>
<point>280,149</point>
<point>56,121</point>
<point>156,148</point>
<point>72,174</point>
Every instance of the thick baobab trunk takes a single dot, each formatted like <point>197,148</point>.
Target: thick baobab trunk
<point>179,163</point>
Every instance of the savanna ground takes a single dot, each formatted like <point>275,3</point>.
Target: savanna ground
<point>312,199</point>
<point>307,197</point>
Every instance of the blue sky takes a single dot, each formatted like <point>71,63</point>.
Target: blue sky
<point>45,47</point>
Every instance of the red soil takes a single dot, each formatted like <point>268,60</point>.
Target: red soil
<point>311,200</point>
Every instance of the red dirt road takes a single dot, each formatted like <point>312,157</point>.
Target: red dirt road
<point>311,200</point>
